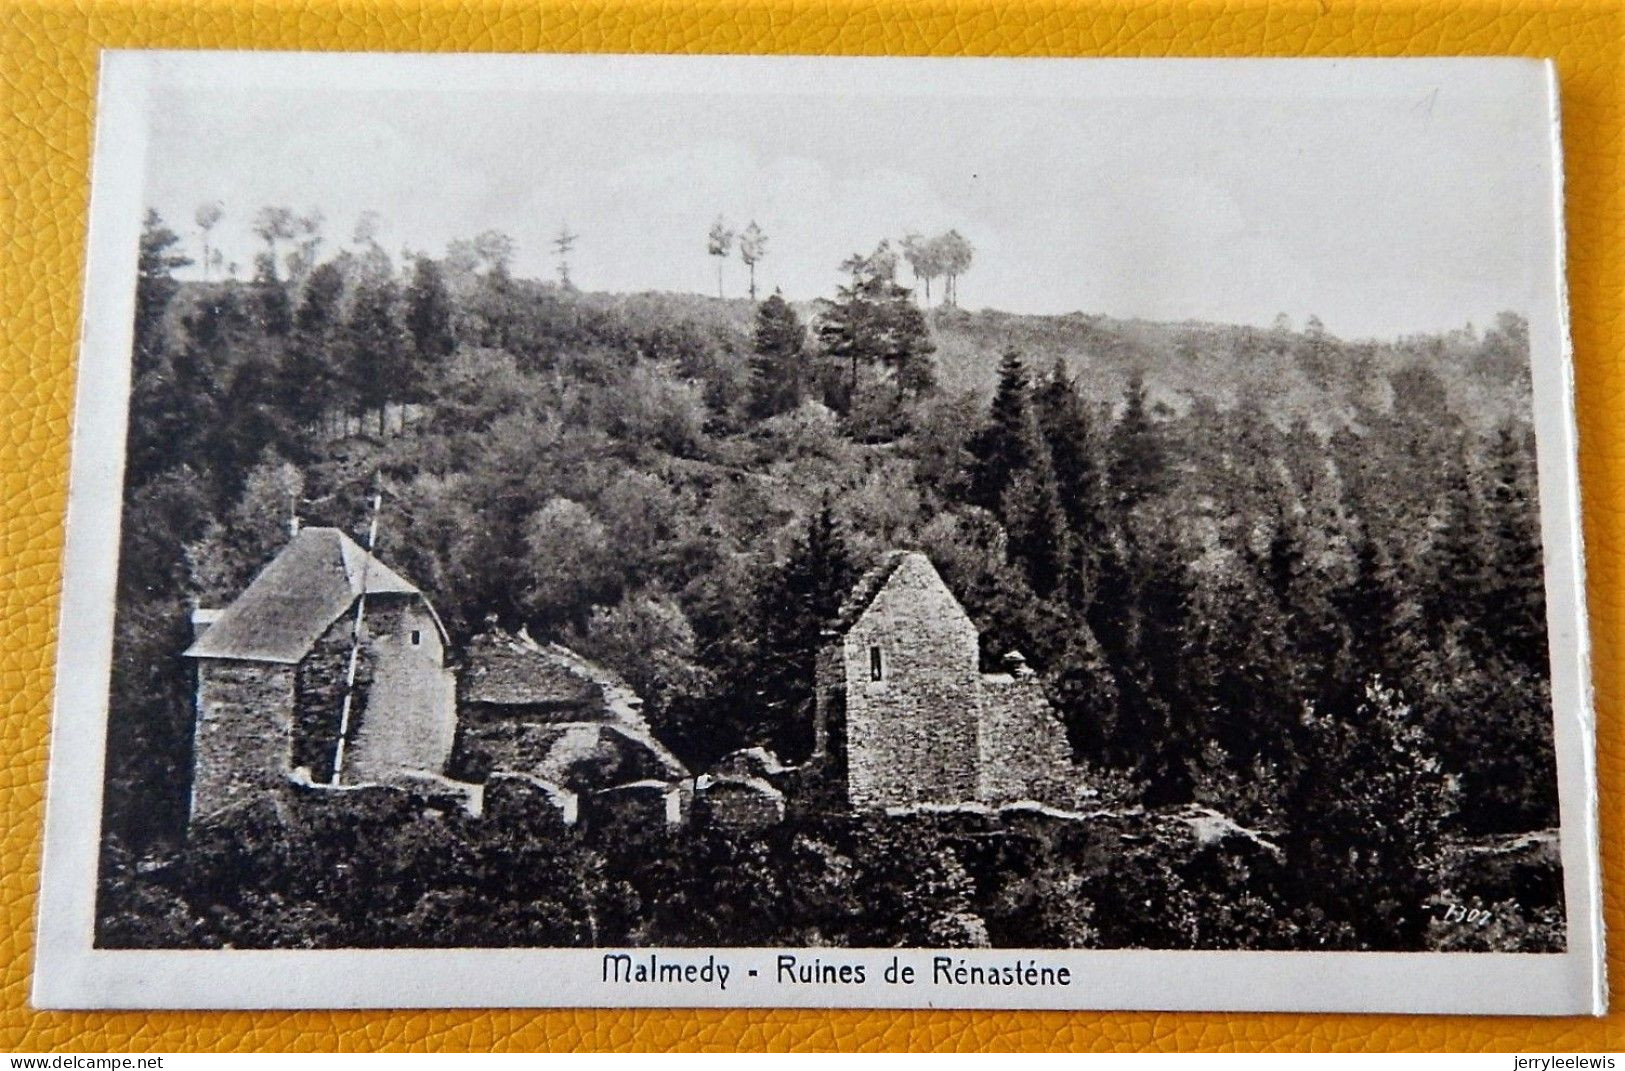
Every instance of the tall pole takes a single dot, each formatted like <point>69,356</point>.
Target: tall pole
<point>355,636</point>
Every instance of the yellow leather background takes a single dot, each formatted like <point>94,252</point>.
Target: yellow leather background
<point>47,73</point>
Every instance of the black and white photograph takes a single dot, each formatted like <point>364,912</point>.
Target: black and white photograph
<point>786,531</point>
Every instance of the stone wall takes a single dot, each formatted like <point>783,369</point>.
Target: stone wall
<point>511,797</point>
<point>640,806</point>
<point>243,735</point>
<point>912,735</point>
<point>403,716</point>
<point>905,716</point>
<point>739,803</point>
<point>581,756</point>
<point>1023,748</point>
<point>319,686</point>
<point>410,720</point>
<point>819,785</point>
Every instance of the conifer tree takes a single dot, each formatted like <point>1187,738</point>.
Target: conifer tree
<point>1009,443</point>
<point>776,367</point>
<point>796,604</point>
<point>752,248</point>
<point>154,288</point>
<point>1063,417</point>
<point>1138,456</point>
<point>1371,607</point>
<point>1162,717</point>
<point>564,241</point>
<point>874,323</point>
<point>923,256</point>
<point>1077,461</point>
<point>1080,684</point>
<point>718,243</point>
<point>1456,565</point>
<point>1012,476</point>
<point>203,411</point>
<point>1306,624</point>
<point>1239,665</point>
<point>1039,540</point>
<point>1516,585</point>
<point>151,442</point>
<point>954,253</point>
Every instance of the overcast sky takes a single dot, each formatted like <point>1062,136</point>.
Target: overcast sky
<point>1419,208</point>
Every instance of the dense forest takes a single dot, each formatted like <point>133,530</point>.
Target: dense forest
<point>1282,577</point>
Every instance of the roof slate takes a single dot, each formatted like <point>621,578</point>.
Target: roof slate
<point>294,599</point>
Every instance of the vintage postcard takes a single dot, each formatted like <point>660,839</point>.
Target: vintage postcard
<point>606,530</point>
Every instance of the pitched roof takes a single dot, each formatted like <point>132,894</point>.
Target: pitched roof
<point>869,586</point>
<point>305,588</point>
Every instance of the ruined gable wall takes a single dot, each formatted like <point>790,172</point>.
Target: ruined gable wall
<point>829,715</point>
<point>1023,749</point>
<point>912,736</point>
<point>819,785</point>
<point>243,734</point>
<point>410,720</point>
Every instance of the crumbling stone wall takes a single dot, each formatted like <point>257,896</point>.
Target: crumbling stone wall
<point>912,735</point>
<point>739,803</point>
<point>243,735</point>
<point>520,798</point>
<point>819,785</point>
<point>1022,746</point>
<point>487,746</point>
<point>638,807</point>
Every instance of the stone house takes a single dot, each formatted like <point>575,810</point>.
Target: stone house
<point>272,670</point>
<point>905,716</point>
<point>533,726</point>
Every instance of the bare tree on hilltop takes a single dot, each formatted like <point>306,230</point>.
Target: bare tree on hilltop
<point>208,215</point>
<point>953,256</point>
<point>563,243</point>
<point>921,254</point>
<point>752,248</point>
<point>307,239</point>
<point>275,224</point>
<point>718,244</point>
<point>946,256</point>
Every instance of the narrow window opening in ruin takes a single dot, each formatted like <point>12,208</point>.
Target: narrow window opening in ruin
<point>417,637</point>
<point>877,668</point>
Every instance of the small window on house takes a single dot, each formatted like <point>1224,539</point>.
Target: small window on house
<point>877,668</point>
<point>417,637</point>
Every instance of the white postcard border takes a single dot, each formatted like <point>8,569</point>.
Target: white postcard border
<point>70,973</point>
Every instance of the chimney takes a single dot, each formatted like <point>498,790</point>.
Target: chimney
<point>201,620</point>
